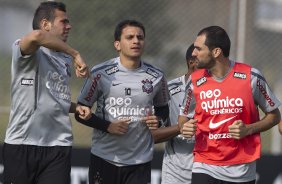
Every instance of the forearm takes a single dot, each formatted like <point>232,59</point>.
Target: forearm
<point>94,122</point>
<point>181,120</point>
<point>31,42</point>
<point>270,119</point>
<point>45,39</point>
<point>165,133</point>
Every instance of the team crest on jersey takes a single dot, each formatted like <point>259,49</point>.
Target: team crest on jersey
<point>175,90</point>
<point>152,72</point>
<point>112,70</point>
<point>201,81</point>
<point>147,86</point>
<point>240,75</point>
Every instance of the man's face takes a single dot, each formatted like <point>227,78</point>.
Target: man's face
<point>131,42</point>
<point>60,27</point>
<point>193,64</point>
<point>202,53</point>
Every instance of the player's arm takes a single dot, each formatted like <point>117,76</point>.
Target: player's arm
<point>187,126</point>
<point>36,38</point>
<point>186,123</point>
<point>239,129</point>
<point>83,111</point>
<point>280,127</point>
<point>119,127</point>
<point>93,121</point>
<point>162,112</point>
<point>163,134</point>
<point>161,107</point>
<point>267,102</point>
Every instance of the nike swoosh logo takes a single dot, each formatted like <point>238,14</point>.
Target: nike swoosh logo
<point>217,124</point>
<point>115,84</point>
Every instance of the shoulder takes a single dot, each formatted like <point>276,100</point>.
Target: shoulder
<point>256,73</point>
<point>16,46</point>
<point>175,82</point>
<point>152,70</point>
<point>241,66</point>
<point>175,85</point>
<point>108,67</point>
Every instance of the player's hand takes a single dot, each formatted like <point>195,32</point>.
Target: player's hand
<point>119,127</point>
<point>81,68</point>
<point>151,121</point>
<point>188,129</point>
<point>238,129</point>
<point>84,112</point>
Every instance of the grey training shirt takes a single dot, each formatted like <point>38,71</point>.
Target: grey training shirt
<point>178,156</point>
<point>123,93</point>
<point>40,99</point>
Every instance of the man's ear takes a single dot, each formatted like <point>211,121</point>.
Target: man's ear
<point>216,52</point>
<point>45,25</point>
<point>190,62</point>
<point>117,45</point>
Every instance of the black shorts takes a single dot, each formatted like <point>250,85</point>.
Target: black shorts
<point>103,172</point>
<point>27,164</point>
<point>201,178</point>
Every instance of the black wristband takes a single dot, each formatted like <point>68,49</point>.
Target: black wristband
<point>94,122</point>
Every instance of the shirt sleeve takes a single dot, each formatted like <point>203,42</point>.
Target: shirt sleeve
<point>90,90</point>
<point>189,103</point>
<point>162,96</point>
<point>263,95</point>
<point>17,51</point>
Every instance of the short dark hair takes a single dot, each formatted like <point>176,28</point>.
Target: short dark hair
<point>189,52</point>
<point>216,37</point>
<point>125,23</point>
<point>46,10</point>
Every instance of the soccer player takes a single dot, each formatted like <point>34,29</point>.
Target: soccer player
<point>38,140</point>
<point>125,89</point>
<point>221,109</point>
<point>178,153</point>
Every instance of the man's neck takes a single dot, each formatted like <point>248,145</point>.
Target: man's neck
<point>221,69</point>
<point>130,63</point>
